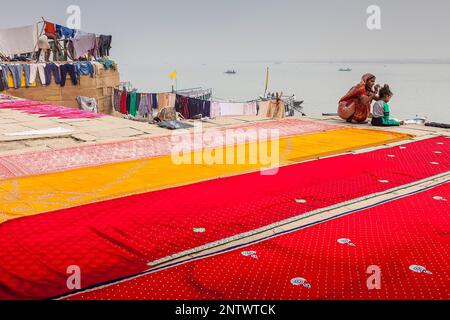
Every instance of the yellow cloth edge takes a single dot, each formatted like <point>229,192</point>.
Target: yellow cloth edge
<point>27,186</point>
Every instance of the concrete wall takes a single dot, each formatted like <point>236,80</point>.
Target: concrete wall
<point>101,87</point>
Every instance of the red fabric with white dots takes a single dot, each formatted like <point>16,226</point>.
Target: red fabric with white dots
<point>394,236</point>
<point>117,238</point>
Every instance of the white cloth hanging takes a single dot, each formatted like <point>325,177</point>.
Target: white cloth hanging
<point>18,40</point>
<point>41,71</point>
<point>33,72</point>
<point>232,109</point>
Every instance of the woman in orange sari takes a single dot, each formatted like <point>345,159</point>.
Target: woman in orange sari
<point>355,105</point>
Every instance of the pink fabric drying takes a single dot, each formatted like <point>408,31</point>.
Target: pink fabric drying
<point>46,111</point>
<point>41,162</point>
<point>83,44</point>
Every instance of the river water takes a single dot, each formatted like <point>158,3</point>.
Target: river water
<point>419,89</point>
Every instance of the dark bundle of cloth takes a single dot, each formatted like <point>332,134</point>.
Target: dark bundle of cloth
<point>104,45</point>
<point>182,106</point>
<point>192,107</point>
<point>174,125</point>
<point>116,100</point>
<point>3,82</point>
<point>199,107</point>
<point>72,71</point>
<point>438,125</point>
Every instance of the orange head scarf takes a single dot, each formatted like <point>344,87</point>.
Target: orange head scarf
<point>365,78</point>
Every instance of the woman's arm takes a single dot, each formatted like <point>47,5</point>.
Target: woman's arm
<point>368,98</point>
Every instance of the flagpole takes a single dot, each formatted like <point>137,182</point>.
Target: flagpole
<point>267,82</point>
<point>173,75</point>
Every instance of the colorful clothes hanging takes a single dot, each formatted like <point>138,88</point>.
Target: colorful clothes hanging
<point>276,110</point>
<point>144,109</point>
<point>49,27</point>
<point>116,100</point>
<point>133,109</point>
<point>123,102</point>
<point>82,44</point>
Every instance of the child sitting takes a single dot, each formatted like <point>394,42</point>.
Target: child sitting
<point>381,113</point>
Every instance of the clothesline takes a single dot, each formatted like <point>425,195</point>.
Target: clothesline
<point>43,21</point>
<point>29,39</point>
<point>208,96</point>
<point>217,99</point>
<point>82,42</point>
<point>152,104</point>
<point>19,75</point>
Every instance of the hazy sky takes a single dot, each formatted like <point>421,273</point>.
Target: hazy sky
<point>243,30</point>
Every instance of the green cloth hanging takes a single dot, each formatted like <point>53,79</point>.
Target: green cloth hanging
<point>133,108</point>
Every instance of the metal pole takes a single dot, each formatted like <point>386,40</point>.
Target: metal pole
<point>267,82</point>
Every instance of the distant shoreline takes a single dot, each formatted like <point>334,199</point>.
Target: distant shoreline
<point>437,61</point>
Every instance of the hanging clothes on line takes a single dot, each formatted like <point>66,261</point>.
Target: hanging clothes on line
<point>144,109</point>
<point>215,109</point>
<point>41,71</point>
<point>104,45</point>
<point>151,104</point>
<point>82,44</point>
<point>123,102</point>
<point>4,69</point>
<point>234,109</point>
<point>116,100</point>
<point>182,106</point>
<point>163,100</point>
<point>172,100</point>
<point>138,101</point>
<point>21,75</point>
<point>64,32</point>
<point>49,27</point>
<point>18,40</point>
<point>71,70</point>
<point>133,110</point>
<point>17,76</point>
<point>33,73</point>
<point>16,71</point>
<point>231,109</point>
<point>199,107</point>
<point>26,73</point>
<point>263,109</point>
<point>50,69</point>
<point>85,68</point>
<point>154,101</point>
<point>276,110</point>
<point>250,109</point>
<point>3,83</point>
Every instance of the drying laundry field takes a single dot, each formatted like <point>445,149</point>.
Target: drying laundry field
<point>103,194</point>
